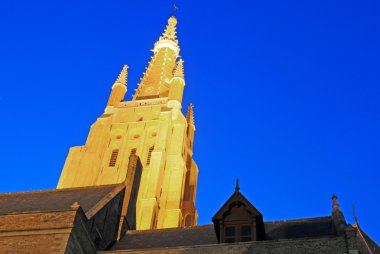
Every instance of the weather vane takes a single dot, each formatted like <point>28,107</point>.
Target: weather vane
<point>175,9</point>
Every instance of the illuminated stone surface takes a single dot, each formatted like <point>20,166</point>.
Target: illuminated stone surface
<point>152,126</point>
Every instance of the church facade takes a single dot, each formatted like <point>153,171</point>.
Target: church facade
<point>131,187</point>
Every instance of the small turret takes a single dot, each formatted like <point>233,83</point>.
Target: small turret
<point>119,88</point>
<point>190,115</point>
<point>177,83</point>
<point>190,124</point>
<point>337,216</point>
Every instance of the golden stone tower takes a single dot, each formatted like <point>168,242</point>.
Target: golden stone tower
<point>153,127</point>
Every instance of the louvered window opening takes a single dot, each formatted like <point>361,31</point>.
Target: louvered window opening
<point>149,155</point>
<point>113,158</point>
<point>229,235</point>
<point>245,233</point>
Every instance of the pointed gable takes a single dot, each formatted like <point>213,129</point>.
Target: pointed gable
<point>238,220</point>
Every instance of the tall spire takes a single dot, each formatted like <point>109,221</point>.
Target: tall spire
<point>190,114</point>
<point>155,82</point>
<point>179,72</point>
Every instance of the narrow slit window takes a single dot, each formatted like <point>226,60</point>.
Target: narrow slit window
<point>149,155</point>
<point>113,158</point>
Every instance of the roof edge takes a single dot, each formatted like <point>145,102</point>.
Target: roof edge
<point>216,244</point>
<point>55,190</point>
<point>98,206</point>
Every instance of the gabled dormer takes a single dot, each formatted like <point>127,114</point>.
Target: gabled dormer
<point>238,220</point>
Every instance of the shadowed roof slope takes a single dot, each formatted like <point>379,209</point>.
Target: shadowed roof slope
<point>89,198</point>
<point>205,235</point>
<point>172,237</point>
<point>300,228</point>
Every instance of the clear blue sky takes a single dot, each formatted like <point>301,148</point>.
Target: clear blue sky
<point>286,95</point>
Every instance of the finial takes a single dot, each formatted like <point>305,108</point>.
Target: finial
<point>179,72</point>
<point>122,78</point>
<point>170,31</point>
<point>75,205</point>
<point>335,202</point>
<point>190,114</point>
<point>237,188</point>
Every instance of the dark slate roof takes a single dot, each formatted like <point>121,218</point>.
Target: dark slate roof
<point>328,244</point>
<point>201,235</point>
<point>370,244</point>
<point>172,237</point>
<point>289,229</point>
<point>89,198</point>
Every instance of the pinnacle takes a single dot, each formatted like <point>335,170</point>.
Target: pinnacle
<point>179,72</point>
<point>122,78</point>
<point>335,202</point>
<point>190,114</point>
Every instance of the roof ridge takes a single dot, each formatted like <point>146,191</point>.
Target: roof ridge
<point>167,229</point>
<point>110,195</point>
<point>301,219</point>
<point>55,190</point>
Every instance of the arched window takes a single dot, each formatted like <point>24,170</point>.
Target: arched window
<point>113,158</point>
<point>149,155</point>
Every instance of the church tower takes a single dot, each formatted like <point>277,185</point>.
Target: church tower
<point>153,127</point>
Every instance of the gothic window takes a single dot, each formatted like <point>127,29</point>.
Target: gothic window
<point>149,155</point>
<point>113,158</point>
